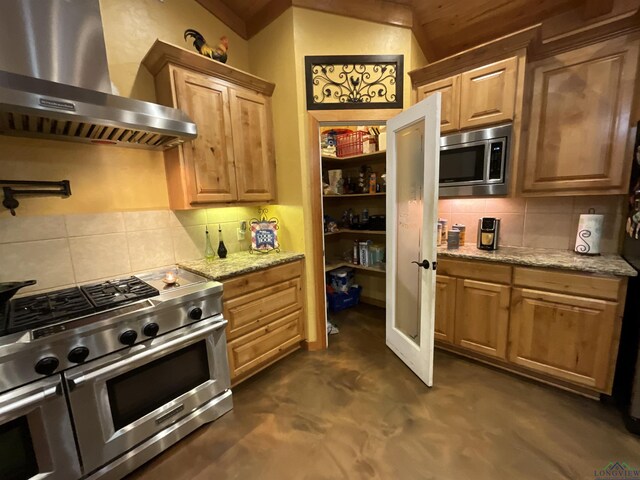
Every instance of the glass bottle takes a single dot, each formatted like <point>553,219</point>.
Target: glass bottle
<point>222,250</point>
<point>209,254</point>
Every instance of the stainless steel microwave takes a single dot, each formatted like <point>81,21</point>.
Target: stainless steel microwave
<point>475,162</point>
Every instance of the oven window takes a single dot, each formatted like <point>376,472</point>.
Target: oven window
<point>18,457</point>
<point>464,164</point>
<point>140,391</point>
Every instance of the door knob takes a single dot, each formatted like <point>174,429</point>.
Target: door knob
<point>424,264</point>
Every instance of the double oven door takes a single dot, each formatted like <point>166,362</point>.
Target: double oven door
<point>36,438</point>
<point>127,397</point>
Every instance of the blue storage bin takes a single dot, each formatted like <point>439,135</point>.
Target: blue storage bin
<point>339,301</point>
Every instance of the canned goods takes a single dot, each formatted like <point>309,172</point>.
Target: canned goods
<point>453,239</point>
<point>462,229</point>
<point>439,235</point>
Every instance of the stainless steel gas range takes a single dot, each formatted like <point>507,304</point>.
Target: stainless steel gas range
<point>96,380</point>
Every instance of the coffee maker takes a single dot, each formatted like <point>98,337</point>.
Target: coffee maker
<point>488,230</point>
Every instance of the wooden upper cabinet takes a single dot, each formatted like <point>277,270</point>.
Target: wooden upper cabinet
<point>578,123</point>
<point>488,94</point>
<point>209,158</point>
<point>445,308</point>
<point>252,141</point>
<point>482,317</point>
<point>450,105</point>
<point>232,159</point>
<point>567,337</point>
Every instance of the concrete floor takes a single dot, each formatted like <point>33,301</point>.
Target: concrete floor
<point>356,412</point>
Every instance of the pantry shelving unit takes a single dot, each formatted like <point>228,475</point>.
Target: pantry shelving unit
<point>338,243</point>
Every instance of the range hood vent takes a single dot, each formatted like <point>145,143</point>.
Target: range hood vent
<point>54,81</point>
<point>34,107</point>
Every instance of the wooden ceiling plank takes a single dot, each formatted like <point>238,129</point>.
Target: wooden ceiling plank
<point>266,15</point>
<point>379,11</point>
<point>226,15</point>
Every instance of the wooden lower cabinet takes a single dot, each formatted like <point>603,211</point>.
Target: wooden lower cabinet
<point>482,317</point>
<point>264,311</point>
<point>445,308</point>
<point>557,326</point>
<point>564,336</point>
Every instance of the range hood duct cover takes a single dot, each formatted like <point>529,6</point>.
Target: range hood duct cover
<point>54,81</point>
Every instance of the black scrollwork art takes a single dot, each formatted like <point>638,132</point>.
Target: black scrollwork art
<point>583,247</point>
<point>354,81</point>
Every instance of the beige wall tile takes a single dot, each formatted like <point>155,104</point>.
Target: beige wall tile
<point>511,228</point>
<point>468,205</point>
<point>444,206</point>
<point>99,256</point>
<point>146,220</point>
<point>547,230</point>
<point>47,261</point>
<point>150,249</point>
<point>222,214</point>
<point>94,224</point>
<point>188,242</point>
<point>25,229</point>
<point>606,204</point>
<point>470,221</point>
<point>504,205</point>
<point>187,218</point>
<point>550,205</point>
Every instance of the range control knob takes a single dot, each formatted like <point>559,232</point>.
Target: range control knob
<point>47,365</point>
<point>128,337</point>
<point>78,355</point>
<point>151,329</point>
<point>195,313</point>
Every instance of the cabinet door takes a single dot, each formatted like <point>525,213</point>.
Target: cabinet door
<point>579,120</point>
<point>253,145</point>
<point>567,337</point>
<point>488,94</point>
<point>209,159</point>
<point>445,308</point>
<point>450,106</point>
<point>482,317</point>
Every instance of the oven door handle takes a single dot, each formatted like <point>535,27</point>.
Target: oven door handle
<point>29,401</point>
<point>140,358</point>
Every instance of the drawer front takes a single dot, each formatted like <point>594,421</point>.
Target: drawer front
<point>482,271</point>
<point>250,351</point>
<point>262,279</point>
<point>256,309</point>
<point>571,283</point>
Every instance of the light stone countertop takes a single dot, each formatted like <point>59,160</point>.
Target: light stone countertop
<point>606,264</point>
<point>238,264</point>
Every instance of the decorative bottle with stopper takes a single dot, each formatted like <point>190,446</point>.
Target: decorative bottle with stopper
<point>209,253</point>
<point>222,250</point>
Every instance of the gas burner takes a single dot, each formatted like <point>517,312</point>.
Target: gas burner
<point>111,293</point>
<point>46,308</point>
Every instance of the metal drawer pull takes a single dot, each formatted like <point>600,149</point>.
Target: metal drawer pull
<point>32,400</point>
<point>168,415</point>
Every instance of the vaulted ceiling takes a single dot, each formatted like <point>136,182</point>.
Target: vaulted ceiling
<point>442,27</point>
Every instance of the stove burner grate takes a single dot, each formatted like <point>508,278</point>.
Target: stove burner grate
<point>46,308</point>
<point>109,294</point>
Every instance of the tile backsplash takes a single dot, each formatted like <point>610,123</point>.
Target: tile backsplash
<point>61,250</point>
<point>549,222</point>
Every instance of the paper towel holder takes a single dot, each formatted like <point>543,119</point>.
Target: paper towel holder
<point>589,233</point>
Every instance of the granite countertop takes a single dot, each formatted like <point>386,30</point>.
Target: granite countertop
<point>606,264</point>
<point>238,264</point>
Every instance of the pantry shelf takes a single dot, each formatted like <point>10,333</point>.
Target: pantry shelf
<point>351,195</point>
<point>333,264</point>
<point>357,232</point>
<point>375,156</point>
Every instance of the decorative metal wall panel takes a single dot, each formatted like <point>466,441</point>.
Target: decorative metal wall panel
<point>354,81</point>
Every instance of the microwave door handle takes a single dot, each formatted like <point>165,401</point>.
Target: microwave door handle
<point>16,406</point>
<point>135,360</point>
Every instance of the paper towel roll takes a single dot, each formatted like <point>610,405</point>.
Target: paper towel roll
<point>589,234</point>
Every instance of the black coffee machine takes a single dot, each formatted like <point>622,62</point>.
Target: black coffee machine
<point>488,231</point>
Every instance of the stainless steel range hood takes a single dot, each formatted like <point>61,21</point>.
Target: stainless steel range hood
<point>54,81</point>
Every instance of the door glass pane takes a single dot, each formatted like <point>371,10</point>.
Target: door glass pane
<point>462,164</point>
<point>410,170</point>
<point>18,459</point>
<point>140,391</point>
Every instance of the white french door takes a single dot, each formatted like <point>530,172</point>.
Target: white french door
<point>413,153</point>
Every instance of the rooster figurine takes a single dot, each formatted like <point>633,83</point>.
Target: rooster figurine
<point>218,53</point>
